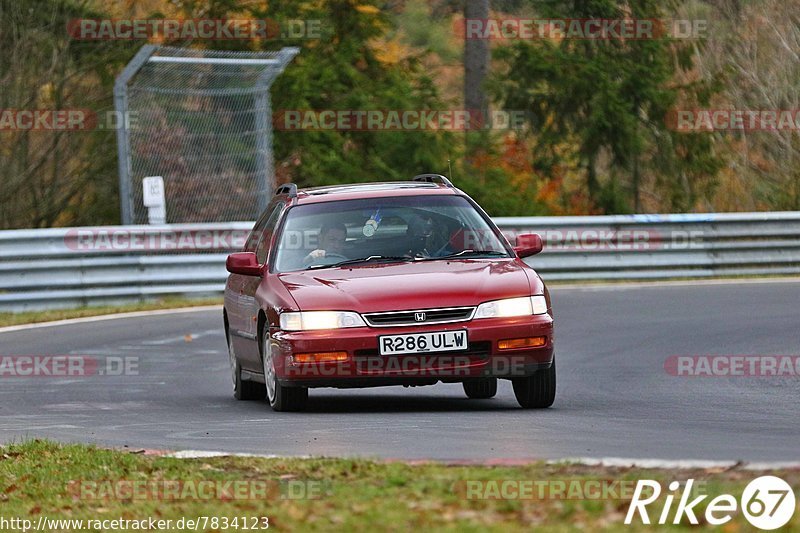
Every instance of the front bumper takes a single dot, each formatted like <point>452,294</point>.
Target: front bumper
<point>366,367</point>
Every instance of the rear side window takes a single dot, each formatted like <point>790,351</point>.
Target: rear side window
<point>265,233</point>
<point>253,238</point>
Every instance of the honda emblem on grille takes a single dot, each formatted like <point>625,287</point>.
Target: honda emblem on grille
<point>419,317</point>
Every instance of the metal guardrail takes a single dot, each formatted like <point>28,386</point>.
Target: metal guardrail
<point>69,267</point>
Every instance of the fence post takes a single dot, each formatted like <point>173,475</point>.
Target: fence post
<point>265,170</point>
<point>123,135</point>
<point>265,161</point>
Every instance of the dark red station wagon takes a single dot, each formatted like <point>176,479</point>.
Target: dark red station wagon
<point>402,283</point>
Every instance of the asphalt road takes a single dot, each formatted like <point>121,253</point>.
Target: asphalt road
<point>614,399</point>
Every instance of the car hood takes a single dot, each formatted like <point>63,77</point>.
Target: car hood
<point>397,286</point>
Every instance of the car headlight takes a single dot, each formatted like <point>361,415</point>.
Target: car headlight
<point>306,320</point>
<point>526,305</point>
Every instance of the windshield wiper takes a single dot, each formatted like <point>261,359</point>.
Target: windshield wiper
<point>464,253</point>
<point>370,259</point>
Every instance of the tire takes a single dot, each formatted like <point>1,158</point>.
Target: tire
<point>280,398</point>
<point>480,389</point>
<point>243,390</point>
<point>537,391</point>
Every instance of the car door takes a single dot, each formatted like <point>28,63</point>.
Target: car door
<point>249,307</point>
<point>237,303</point>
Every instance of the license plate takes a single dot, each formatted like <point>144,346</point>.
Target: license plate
<point>437,341</point>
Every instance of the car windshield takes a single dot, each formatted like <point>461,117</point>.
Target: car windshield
<point>375,230</point>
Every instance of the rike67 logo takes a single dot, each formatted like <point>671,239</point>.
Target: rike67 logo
<point>767,502</point>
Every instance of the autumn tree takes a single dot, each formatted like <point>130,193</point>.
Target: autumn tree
<point>599,105</point>
<point>50,176</point>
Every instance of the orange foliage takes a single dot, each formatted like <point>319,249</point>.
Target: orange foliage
<point>560,191</point>
<point>513,159</point>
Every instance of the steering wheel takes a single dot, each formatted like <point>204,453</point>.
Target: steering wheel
<point>329,258</point>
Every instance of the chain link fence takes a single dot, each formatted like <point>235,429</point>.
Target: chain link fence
<point>202,120</point>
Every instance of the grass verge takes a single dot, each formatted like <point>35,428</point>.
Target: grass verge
<point>31,317</point>
<point>78,482</point>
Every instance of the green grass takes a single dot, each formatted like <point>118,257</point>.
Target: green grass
<point>30,317</point>
<point>356,495</point>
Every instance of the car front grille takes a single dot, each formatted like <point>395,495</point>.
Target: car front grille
<point>420,317</point>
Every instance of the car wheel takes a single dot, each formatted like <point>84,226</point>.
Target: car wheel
<point>242,389</point>
<point>480,389</point>
<point>280,398</point>
<point>536,391</point>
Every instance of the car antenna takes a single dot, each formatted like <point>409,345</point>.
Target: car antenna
<point>450,169</point>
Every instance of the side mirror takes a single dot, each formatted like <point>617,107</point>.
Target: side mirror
<point>528,244</point>
<point>244,263</point>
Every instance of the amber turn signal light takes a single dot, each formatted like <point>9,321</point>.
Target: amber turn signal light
<point>320,357</point>
<point>527,342</point>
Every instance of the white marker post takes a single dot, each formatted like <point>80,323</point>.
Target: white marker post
<point>155,200</point>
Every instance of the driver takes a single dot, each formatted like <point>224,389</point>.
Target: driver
<point>332,237</point>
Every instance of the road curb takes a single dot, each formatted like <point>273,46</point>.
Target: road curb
<point>607,462</point>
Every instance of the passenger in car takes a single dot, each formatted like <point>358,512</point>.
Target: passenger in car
<point>425,239</point>
<point>418,235</point>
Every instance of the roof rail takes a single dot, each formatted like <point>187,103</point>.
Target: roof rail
<point>434,178</point>
<point>287,188</point>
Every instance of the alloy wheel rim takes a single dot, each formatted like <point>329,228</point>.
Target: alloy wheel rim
<point>269,371</point>
<point>232,361</point>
